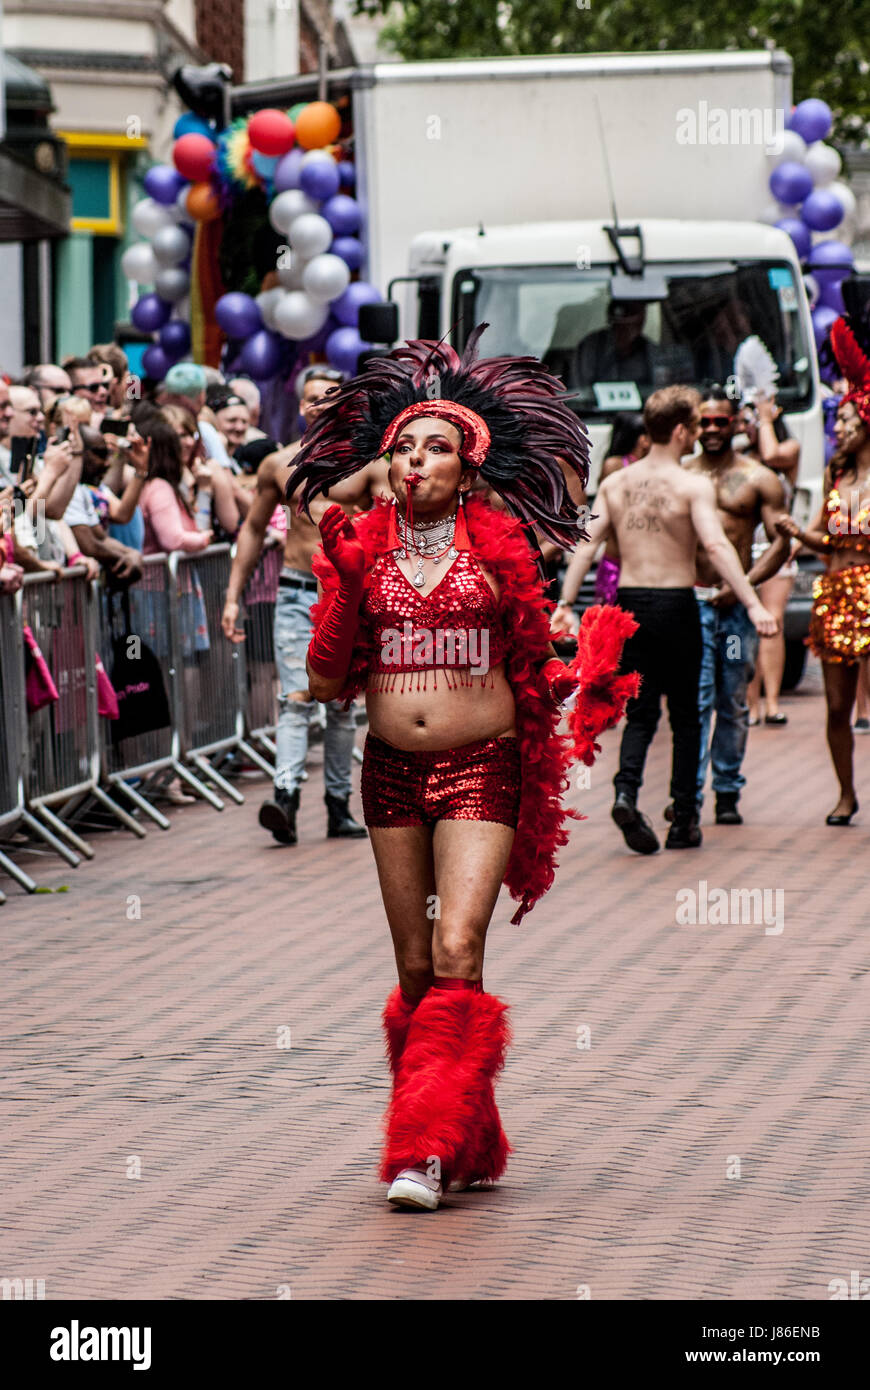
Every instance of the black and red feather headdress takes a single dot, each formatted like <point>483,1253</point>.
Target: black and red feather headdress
<point>520,403</point>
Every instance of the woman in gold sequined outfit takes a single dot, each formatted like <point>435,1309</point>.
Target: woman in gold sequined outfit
<point>840,622</point>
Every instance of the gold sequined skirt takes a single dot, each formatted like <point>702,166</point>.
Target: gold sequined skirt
<point>840,620</point>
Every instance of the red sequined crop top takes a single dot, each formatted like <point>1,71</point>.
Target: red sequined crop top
<point>454,631</point>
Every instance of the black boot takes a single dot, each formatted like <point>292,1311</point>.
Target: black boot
<point>684,833</point>
<point>341,824</point>
<point>279,815</point>
<point>636,828</point>
<point>726,809</point>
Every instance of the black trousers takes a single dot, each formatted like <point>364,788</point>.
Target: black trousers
<point>666,650</point>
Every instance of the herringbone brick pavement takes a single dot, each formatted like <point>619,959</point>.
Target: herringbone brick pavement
<point>711,1141</point>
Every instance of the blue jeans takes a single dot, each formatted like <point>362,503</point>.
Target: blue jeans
<point>730,649</point>
<point>292,635</point>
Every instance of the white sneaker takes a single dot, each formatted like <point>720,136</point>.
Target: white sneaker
<point>414,1189</point>
<point>476,1185</point>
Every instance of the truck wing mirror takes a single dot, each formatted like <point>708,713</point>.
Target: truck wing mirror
<point>379,323</point>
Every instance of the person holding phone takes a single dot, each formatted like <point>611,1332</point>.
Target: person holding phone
<point>124,562</point>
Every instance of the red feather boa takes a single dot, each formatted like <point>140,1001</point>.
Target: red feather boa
<point>502,549</point>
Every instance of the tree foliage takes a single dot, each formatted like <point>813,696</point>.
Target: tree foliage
<point>830,45</point>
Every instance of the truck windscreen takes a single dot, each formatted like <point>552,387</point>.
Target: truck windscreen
<point>615,352</point>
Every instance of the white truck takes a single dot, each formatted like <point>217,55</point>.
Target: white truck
<point>491,189</point>
<point>602,212</point>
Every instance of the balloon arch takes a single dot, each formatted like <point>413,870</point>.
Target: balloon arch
<point>811,202</point>
<point>308,306</point>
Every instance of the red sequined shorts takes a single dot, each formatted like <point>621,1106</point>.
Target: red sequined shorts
<point>840,619</point>
<point>480,781</point>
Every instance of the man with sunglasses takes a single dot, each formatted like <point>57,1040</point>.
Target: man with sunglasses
<point>89,381</point>
<point>747,495</point>
<point>297,592</point>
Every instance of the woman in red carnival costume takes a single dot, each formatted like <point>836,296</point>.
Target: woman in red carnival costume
<point>434,606</point>
<point>840,619</point>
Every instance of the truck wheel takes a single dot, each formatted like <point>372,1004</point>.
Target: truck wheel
<point>795,662</point>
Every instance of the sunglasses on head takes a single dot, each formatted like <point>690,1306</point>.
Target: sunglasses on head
<point>719,422</point>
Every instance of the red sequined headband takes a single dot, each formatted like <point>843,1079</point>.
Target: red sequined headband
<point>475,433</point>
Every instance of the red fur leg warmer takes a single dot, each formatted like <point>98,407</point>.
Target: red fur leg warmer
<point>396,1019</point>
<point>443,1105</point>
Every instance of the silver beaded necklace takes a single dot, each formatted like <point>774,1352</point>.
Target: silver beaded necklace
<point>430,540</point>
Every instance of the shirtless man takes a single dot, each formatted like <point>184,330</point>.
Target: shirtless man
<point>297,593</point>
<point>659,513</point>
<point>747,495</point>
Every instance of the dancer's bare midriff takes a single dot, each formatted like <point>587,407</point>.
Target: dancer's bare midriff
<point>447,717</point>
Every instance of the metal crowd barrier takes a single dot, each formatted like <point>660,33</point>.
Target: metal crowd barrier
<point>260,596</point>
<point>147,757</point>
<point>214,680</point>
<point>221,695</point>
<point>51,756</point>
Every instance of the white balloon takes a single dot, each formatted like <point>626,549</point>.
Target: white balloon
<point>297,315</point>
<point>310,234</point>
<point>845,196</point>
<point>289,205</point>
<point>139,263</point>
<point>171,245</point>
<point>794,147</point>
<point>811,285</point>
<point>315,156</point>
<point>181,204</point>
<point>823,163</point>
<point>291,274</point>
<point>148,217</point>
<point>268,301</point>
<point>171,283</point>
<point>325,277</point>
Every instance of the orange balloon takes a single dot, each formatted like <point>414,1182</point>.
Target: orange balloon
<point>318,124</point>
<point>202,203</point>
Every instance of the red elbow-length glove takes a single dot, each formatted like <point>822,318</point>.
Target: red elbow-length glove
<point>330,648</point>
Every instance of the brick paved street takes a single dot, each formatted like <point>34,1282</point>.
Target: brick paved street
<point>711,1046</point>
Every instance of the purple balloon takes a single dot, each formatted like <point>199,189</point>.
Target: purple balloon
<point>288,169</point>
<point>343,347</point>
<point>823,317</point>
<point>350,249</point>
<point>799,233</point>
<point>175,337</point>
<point>822,210</point>
<point>156,362</point>
<point>238,315</point>
<point>343,214</point>
<point>261,355</point>
<point>150,313</point>
<point>791,182</point>
<point>348,304</point>
<point>319,179</point>
<point>317,341</point>
<point>812,119</point>
<point>347,173</point>
<point>163,183</point>
<point>831,296</point>
<point>830,260</point>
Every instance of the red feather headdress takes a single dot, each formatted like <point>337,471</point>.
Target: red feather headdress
<point>518,402</point>
<point>855,366</point>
